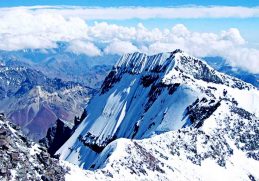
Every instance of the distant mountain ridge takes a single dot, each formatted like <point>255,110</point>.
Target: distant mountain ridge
<point>91,71</point>
<point>35,101</point>
<point>59,63</point>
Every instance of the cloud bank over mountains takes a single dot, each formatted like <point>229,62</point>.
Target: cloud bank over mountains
<point>124,13</point>
<point>41,28</point>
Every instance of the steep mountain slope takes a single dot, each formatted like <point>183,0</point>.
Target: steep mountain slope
<point>21,159</point>
<point>148,95</point>
<point>34,101</point>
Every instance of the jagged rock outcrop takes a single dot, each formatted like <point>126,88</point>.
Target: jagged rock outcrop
<point>56,136</point>
<point>21,159</point>
<point>59,133</point>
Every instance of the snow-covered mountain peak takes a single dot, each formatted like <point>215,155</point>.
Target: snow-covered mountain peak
<point>139,62</point>
<point>149,95</point>
<point>169,68</point>
<point>189,68</point>
<point>136,63</point>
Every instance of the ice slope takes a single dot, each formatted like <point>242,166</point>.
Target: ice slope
<point>149,95</point>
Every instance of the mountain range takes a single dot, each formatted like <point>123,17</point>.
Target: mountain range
<point>62,64</point>
<point>168,116</point>
<point>221,65</point>
<point>34,101</point>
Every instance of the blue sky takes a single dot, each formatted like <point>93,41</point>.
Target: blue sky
<point>107,3</point>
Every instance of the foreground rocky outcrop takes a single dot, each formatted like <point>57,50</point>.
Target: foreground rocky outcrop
<point>56,136</point>
<point>21,159</point>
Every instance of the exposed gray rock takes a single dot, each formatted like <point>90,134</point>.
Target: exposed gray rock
<point>21,159</point>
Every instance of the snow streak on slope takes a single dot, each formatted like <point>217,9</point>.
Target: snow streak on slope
<point>148,95</point>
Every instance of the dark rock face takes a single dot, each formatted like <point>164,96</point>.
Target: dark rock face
<point>89,140</point>
<point>201,110</point>
<point>156,90</point>
<point>205,74</point>
<point>56,136</point>
<point>21,159</point>
<point>109,81</point>
<point>59,133</point>
<point>78,120</point>
<point>147,80</point>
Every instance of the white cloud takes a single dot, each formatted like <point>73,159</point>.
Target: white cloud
<point>83,47</point>
<point>234,35</point>
<point>113,13</point>
<point>18,42</point>
<point>246,58</point>
<point>22,28</point>
<point>120,47</point>
<point>110,32</point>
